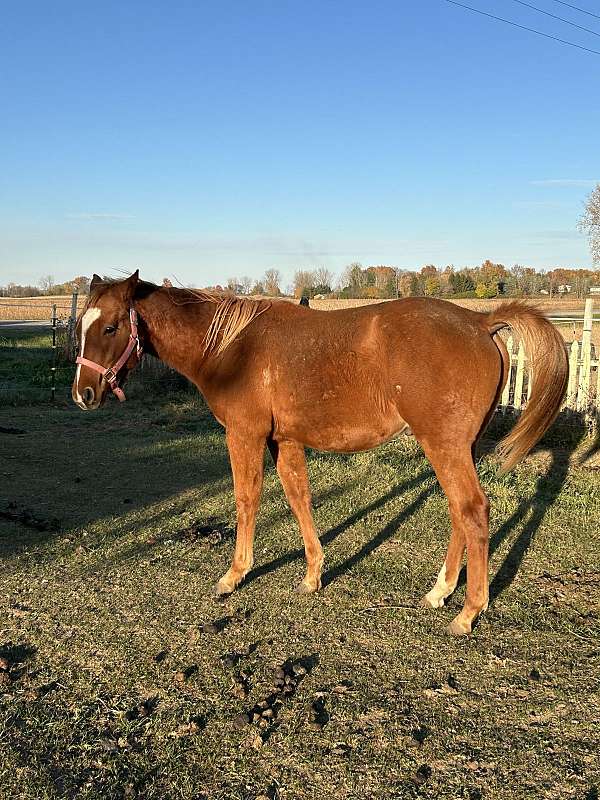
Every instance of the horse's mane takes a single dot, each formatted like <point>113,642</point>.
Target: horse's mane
<point>232,315</point>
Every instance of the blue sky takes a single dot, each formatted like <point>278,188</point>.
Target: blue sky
<point>208,139</point>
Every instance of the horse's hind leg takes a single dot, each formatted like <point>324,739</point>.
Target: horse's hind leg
<point>290,461</point>
<point>469,513</point>
<point>246,456</point>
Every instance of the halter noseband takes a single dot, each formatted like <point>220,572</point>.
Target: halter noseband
<point>110,374</point>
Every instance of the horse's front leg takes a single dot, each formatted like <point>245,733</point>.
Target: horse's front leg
<point>246,456</point>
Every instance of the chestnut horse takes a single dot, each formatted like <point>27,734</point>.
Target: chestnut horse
<point>291,377</point>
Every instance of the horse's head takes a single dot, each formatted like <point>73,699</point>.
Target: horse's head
<point>109,348</point>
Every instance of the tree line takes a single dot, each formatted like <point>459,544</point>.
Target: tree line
<point>47,287</point>
<point>488,280</point>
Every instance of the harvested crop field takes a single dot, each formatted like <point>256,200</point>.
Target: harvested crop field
<point>36,308</point>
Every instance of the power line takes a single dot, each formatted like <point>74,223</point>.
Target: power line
<point>523,27</point>
<point>576,8</point>
<point>554,16</point>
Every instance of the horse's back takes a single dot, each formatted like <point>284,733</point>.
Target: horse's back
<point>352,378</point>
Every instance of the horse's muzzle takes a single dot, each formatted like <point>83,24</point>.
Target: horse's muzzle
<point>87,400</point>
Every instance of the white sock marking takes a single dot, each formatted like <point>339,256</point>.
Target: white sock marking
<point>440,591</point>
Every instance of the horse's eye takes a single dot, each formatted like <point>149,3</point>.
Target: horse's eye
<point>110,329</point>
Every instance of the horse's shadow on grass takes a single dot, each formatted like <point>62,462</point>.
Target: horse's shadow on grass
<point>385,533</point>
<point>547,490</point>
<point>106,469</point>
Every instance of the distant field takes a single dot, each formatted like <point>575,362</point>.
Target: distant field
<point>36,307</point>
<point>558,307</point>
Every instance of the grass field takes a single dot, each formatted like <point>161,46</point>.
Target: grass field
<point>26,360</point>
<point>122,677</point>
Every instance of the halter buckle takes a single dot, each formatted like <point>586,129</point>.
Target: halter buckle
<point>110,376</point>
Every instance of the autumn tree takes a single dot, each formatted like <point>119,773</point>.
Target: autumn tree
<point>524,281</point>
<point>323,280</point>
<point>271,282</point>
<point>354,276</point>
<point>445,279</point>
<point>590,223</point>
<point>432,286</point>
<point>246,283</point>
<point>491,275</point>
<point>46,283</point>
<point>483,292</point>
<point>304,281</point>
<point>81,284</point>
<point>404,284</point>
<point>382,277</point>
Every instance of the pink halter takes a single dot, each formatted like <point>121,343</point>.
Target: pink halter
<point>110,374</point>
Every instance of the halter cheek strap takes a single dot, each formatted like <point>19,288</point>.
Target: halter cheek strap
<point>110,374</point>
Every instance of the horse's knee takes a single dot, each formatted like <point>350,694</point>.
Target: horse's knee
<point>472,513</point>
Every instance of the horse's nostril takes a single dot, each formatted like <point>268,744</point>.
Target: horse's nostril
<point>88,395</point>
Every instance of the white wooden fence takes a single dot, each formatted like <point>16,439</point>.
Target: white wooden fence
<point>583,391</point>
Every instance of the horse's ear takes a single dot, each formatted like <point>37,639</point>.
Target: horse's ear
<point>130,285</point>
<point>95,281</point>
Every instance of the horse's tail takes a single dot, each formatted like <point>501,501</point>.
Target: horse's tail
<point>548,368</point>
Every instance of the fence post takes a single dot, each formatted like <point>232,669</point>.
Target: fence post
<point>53,368</point>
<point>71,329</point>
<point>583,389</point>
<point>598,379</point>
<point>518,400</point>
<point>506,393</point>
<point>572,385</point>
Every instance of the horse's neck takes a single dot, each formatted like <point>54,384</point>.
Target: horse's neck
<point>174,331</point>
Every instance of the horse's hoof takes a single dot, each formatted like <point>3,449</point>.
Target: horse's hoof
<point>427,602</point>
<point>459,628</point>
<point>305,588</point>
<point>223,589</point>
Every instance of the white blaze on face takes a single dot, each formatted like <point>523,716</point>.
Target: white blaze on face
<point>90,316</point>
